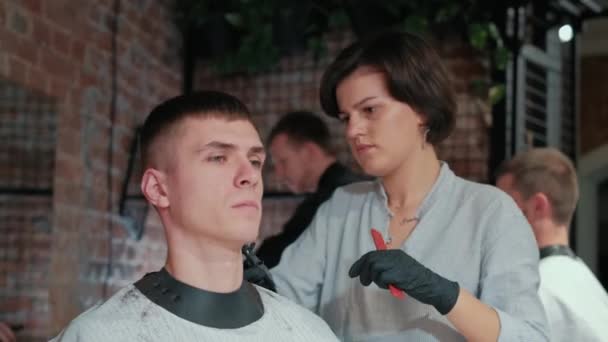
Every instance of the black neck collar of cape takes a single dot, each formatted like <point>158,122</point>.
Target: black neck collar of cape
<point>211,309</point>
<point>552,250</point>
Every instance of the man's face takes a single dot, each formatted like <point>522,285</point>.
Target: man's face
<point>289,162</point>
<point>213,179</point>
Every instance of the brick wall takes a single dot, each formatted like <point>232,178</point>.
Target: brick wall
<point>62,49</point>
<point>27,154</point>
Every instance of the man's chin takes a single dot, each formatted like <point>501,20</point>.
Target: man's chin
<point>245,232</point>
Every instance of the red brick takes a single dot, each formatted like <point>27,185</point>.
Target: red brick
<point>77,51</point>
<point>41,32</point>
<point>69,166</point>
<point>34,6</point>
<point>64,13</point>
<point>58,88</point>
<point>62,42</point>
<point>17,70</point>
<point>102,40</point>
<point>19,46</point>
<point>87,79</point>
<point>37,79</point>
<point>2,14</point>
<point>57,66</point>
<point>67,191</point>
<point>20,22</point>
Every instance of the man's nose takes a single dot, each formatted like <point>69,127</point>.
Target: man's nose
<point>278,171</point>
<point>247,174</point>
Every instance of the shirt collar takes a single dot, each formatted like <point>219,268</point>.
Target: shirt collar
<point>212,309</point>
<point>443,181</point>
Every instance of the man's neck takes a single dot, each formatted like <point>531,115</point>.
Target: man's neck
<point>323,162</point>
<point>409,184</point>
<point>551,234</point>
<point>205,265</point>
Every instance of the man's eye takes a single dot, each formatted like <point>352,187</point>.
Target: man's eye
<point>257,163</point>
<point>216,159</point>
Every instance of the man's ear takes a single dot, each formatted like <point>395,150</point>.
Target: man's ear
<point>310,150</point>
<point>154,188</point>
<point>541,206</point>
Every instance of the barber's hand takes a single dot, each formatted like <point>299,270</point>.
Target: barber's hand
<point>6,334</point>
<point>395,267</point>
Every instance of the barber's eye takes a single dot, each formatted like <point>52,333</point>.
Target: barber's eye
<point>343,117</point>
<point>369,109</point>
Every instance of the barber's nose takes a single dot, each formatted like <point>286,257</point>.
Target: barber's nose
<point>354,127</point>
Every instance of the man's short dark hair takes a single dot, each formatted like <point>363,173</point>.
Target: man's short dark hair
<point>548,171</point>
<point>414,75</point>
<point>301,127</point>
<point>202,104</point>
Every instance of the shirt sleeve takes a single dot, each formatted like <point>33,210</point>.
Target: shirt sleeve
<point>81,329</point>
<point>510,276</point>
<point>301,271</point>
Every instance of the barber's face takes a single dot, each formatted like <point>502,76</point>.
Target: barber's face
<point>290,164</point>
<point>382,132</point>
<point>212,182</point>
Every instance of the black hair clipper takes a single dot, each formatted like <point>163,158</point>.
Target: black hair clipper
<point>255,271</point>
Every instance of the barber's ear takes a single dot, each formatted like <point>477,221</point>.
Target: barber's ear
<point>154,188</point>
<point>541,205</point>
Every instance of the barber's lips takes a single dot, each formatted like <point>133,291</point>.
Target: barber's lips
<point>363,149</point>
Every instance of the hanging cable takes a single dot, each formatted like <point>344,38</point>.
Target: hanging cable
<point>113,105</point>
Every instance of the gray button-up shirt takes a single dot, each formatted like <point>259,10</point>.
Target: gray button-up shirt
<point>468,232</point>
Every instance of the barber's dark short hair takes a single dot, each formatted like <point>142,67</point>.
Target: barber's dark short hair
<point>301,127</point>
<point>202,104</point>
<point>414,75</point>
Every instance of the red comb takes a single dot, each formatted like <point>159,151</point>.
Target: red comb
<point>380,245</point>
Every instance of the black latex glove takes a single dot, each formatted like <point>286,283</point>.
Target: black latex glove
<point>395,267</point>
<point>254,270</point>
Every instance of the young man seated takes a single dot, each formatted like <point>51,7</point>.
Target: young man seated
<point>202,159</point>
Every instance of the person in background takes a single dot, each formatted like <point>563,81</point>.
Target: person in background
<point>6,333</point>
<point>303,159</point>
<point>543,183</point>
<point>202,161</point>
<point>450,241</point>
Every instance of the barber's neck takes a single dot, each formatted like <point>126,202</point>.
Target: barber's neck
<point>205,264</point>
<point>548,233</point>
<point>410,182</point>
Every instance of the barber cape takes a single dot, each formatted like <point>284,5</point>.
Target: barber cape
<point>160,308</point>
<point>575,302</point>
